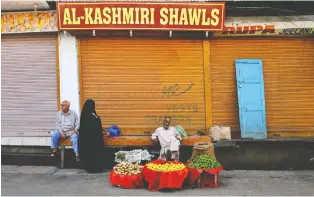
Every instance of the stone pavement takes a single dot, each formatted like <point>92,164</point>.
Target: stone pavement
<point>44,181</point>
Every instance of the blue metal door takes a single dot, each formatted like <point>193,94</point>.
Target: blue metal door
<point>251,99</point>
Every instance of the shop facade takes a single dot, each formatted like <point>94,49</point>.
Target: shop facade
<point>29,75</point>
<point>138,76</point>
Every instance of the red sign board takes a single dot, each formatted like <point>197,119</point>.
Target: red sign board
<point>141,16</point>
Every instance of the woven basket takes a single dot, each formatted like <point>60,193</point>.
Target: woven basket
<point>203,148</point>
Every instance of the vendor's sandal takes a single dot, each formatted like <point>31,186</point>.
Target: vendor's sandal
<point>77,158</point>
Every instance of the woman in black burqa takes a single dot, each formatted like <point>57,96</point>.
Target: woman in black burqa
<point>91,140</point>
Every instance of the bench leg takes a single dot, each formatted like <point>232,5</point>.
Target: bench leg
<point>62,157</point>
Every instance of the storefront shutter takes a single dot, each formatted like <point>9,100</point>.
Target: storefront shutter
<point>288,74</point>
<point>29,84</point>
<point>137,82</point>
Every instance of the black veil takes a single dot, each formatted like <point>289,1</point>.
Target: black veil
<point>91,140</point>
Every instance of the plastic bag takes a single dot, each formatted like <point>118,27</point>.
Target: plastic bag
<point>225,133</point>
<point>114,131</point>
<point>215,132</point>
<point>134,156</point>
<point>220,133</point>
<point>181,131</point>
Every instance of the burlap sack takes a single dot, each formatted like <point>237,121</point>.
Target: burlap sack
<point>203,148</point>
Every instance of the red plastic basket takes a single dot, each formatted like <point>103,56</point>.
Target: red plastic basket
<point>207,180</point>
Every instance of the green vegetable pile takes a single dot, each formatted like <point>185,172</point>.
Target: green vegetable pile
<point>204,161</point>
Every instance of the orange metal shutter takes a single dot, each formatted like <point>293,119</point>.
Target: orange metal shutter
<point>289,82</point>
<point>137,82</point>
<point>29,84</point>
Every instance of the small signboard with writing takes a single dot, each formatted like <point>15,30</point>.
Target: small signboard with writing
<point>23,22</point>
<point>268,26</point>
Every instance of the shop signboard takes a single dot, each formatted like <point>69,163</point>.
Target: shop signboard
<point>268,26</point>
<point>24,22</point>
<point>141,16</point>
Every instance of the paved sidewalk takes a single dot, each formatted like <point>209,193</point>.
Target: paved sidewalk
<point>28,170</point>
<point>38,180</point>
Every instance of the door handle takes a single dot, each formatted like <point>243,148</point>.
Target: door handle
<point>240,84</point>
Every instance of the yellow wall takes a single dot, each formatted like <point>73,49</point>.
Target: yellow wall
<point>137,82</point>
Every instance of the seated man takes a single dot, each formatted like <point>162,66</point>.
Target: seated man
<point>67,124</point>
<point>169,140</point>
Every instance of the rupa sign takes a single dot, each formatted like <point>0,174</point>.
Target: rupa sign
<point>268,26</point>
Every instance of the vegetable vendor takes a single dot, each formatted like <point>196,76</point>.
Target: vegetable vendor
<point>169,140</point>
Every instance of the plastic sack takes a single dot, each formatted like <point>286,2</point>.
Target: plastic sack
<point>114,131</point>
<point>181,131</point>
<point>134,156</point>
<point>220,133</point>
<point>225,133</point>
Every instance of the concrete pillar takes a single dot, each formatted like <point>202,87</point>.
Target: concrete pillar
<point>69,70</point>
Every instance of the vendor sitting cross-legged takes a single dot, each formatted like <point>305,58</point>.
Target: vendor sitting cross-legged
<point>169,140</point>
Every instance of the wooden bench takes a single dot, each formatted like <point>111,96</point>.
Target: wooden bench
<point>133,141</point>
